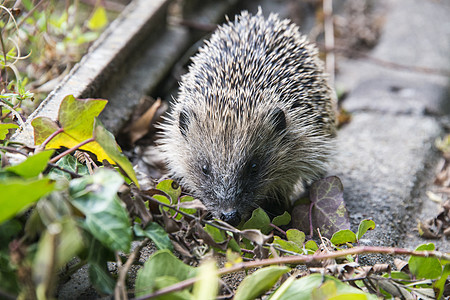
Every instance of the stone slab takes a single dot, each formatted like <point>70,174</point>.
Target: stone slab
<point>397,95</point>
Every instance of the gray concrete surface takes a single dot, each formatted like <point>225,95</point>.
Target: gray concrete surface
<point>386,154</point>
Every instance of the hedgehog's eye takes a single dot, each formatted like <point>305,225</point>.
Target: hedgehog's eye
<point>206,169</point>
<point>253,167</point>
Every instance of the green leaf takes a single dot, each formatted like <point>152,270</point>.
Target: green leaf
<point>108,143</point>
<point>439,284</point>
<point>98,19</point>
<point>57,246</point>
<point>161,263</point>
<point>343,236</point>
<point>259,220</point>
<point>171,188</point>
<point>397,275</point>
<point>76,118</point>
<point>187,210</point>
<point>16,194</point>
<point>33,165</point>
<point>99,275</point>
<point>296,236</point>
<point>259,282</point>
<point>156,233</point>
<point>69,163</point>
<point>287,245</point>
<point>281,220</point>
<point>4,129</point>
<point>106,219</point>
<point>207,284</point>
<point>280,291</point>
<point>425,267</point>
<point>311,246</point>
<point>364,226</point>
<point>303,289</point>
<point>217,235</point>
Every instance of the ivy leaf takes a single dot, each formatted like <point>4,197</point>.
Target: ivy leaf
<point>156,233</point>
<point>108,144</point>
<point>76,118</point>
<point>173,192</point>
<point>16,194</point>
<point>99,275</point>
<point>164,265</point>
<point>106,219</point>
<point>425,267</point>
<point>32,166</point>
<point>259,282</point>
<point>259,220</point>
<point>311,247</point>
<point>69,163</point>
<point>296,236</point>
<point>329,212</point>
<point>4,129</point>
<point>287,245</point>
<point>171,188</point>
<point>281,220</point>
<point>343,237</point>
<point>364,226</point>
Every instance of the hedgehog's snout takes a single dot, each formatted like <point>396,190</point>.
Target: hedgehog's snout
<point>232,217</point>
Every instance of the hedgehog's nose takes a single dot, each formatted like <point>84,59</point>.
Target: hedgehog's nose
<point>233,217</point>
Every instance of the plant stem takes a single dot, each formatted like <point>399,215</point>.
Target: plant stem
<point>50,137</point>
<point>299,260</point>
<point>76,147</point>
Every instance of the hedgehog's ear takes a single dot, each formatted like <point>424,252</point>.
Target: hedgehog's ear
<point>278,119</point>
<point>183,122</point>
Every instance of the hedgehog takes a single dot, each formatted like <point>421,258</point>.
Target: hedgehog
<point>254,121</point>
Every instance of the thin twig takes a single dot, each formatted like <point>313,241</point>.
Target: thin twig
<point>12,149</point>
<point>58,157</point>
<point>50,137</point>
<point>385,63</point>
<point>73,174</point>
<point>15,113</point>
<point>120,289</point>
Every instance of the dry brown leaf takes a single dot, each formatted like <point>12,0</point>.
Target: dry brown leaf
<point>141,126</point>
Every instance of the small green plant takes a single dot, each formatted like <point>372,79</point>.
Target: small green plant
<point>93,210</point>
<point>38,46</point>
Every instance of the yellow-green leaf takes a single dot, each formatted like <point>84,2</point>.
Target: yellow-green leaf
<point>4,129</point>
<point>76,118</point>
<point>98,19</point>
<point>207,284</point>
<point>109,146</point>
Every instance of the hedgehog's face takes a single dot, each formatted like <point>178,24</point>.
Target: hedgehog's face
<point>230,167</point>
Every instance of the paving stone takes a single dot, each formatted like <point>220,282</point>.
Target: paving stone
<point>385,154</point>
